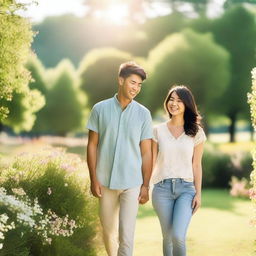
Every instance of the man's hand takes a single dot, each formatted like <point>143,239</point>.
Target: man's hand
<point>96,188</point>
<point>143,197</point>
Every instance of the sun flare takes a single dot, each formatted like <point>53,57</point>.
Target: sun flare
<point>116,14</point>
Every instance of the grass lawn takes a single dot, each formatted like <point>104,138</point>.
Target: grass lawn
<point>221,227</point>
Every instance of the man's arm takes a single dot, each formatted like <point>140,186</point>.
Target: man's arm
<point>154,153</point>
<point>146,154</point>
<point>92,146</point>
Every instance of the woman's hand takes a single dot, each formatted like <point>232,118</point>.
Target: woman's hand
<point>196,202</point>
<point>144,195</point>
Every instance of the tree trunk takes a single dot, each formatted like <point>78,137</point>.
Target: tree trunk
<point>1,127</point>
<point>252,132</point>
<point>232,127</point>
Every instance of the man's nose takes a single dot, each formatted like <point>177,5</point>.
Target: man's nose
<point>135,87</point>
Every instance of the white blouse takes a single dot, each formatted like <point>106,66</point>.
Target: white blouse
<point>174,159</point>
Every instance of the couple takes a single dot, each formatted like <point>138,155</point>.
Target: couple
<point>122,148</point>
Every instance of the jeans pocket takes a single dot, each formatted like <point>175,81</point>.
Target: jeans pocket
<point>159,184</point>
<point>189,185</point>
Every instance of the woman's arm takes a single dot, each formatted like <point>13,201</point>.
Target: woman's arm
<point>197,172</point>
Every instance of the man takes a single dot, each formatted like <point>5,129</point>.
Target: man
<point>119,159</point>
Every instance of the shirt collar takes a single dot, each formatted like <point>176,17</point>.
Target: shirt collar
<point>118,103</point>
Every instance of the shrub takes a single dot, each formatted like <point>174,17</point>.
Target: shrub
<point>219,167</point>
<point>216,166</point>
<point>22,216</point>
<point>252,102</point>
<point>54,177</point>
<point>239,188</point>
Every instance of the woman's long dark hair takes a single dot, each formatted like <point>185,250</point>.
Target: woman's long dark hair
<point>192,118</point>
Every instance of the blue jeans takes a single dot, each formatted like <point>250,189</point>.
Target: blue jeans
<point>172,201</point>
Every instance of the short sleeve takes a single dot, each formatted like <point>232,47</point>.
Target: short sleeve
<point>200,137</point>
<point>146,132</point>
<point>155,135</point>
<point>93,122</point>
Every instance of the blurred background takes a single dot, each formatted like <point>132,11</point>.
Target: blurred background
<point>65,57</point>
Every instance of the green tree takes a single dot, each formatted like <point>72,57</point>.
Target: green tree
<point>66,102</point>
<point>22,109</point>
<point>236,31</point>
<point>80,35</point>
<point>98,72</point>
<point>231,3</point>
<point>192,59</point>
<point>160,27</point>
<point>38,74</point>
<point>198,6</point>
<point>15,39</point>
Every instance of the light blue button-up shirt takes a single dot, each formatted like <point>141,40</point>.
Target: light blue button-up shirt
<point>120,133</point>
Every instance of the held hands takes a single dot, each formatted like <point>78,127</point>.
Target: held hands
<point>144,196</point>
<point>96,188</point>
<point>196,203</point>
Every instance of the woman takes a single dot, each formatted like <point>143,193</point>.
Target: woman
<point>177,153</point>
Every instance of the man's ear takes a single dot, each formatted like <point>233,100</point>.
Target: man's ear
<point>120,80</point>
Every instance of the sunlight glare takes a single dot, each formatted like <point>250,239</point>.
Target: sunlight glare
<point>116,14</point>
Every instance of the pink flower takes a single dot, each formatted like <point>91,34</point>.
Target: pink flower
<point>252,193</point>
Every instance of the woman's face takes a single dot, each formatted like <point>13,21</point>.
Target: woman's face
<point>175,105</point>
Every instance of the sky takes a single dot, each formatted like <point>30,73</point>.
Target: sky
<point>54,7</point>
<point>58,7</point>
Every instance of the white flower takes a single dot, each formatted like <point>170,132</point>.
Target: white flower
<point>30,214</point>
<point>49,191</point>
<point>19,191</point>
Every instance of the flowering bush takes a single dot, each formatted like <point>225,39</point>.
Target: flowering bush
<point>239,188</point>
<point>21,211</point>
<point>54,180</point>
<point>252,102</point>
<point>220,166</point>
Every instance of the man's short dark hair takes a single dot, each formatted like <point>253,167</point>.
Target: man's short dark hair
<point>129,68</point>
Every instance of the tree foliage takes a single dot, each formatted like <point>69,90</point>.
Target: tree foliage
<point>236,31</point>
<point>15,39</point>
<point>65,110</point>
<point>192,59</point>
<point>38,74</point>
<point>80,35</point>
<point>99,71</point>
<point>38,81</point>
<point>22,109</point>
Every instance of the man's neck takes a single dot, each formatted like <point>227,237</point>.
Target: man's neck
<point>124,102</point>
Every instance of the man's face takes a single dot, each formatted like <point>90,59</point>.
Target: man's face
<point>130,86</point>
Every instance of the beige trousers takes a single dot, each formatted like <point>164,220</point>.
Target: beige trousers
<point>118,211</point>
